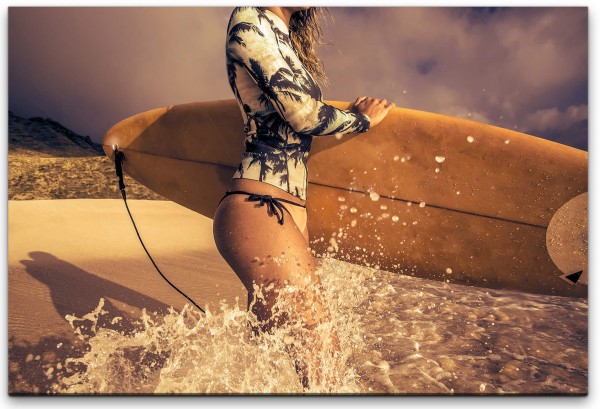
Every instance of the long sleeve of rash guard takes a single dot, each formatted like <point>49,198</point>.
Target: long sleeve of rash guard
<point>263,47</point>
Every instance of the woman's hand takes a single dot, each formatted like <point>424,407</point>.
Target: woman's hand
<point>376,109</point>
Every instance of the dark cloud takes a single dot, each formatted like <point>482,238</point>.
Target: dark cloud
<point>425,65</point>
<point>523,68</point>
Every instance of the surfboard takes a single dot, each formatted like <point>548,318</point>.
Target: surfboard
<point>421,194</point>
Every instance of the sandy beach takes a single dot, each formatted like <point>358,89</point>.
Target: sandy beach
<point>399,334</point>
<point>64,255</point>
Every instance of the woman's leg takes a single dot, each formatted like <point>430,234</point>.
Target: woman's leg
<point>276,258</point>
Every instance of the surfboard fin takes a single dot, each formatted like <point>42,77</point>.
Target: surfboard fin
<point>574,278</point>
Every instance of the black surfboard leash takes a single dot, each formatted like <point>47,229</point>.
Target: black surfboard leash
<point>119,157</point>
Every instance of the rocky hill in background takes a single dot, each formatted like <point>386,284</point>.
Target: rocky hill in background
<point>46,160</point>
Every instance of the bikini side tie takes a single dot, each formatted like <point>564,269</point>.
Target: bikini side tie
<point>272,204</point>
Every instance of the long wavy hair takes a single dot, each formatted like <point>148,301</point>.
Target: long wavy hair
<point>305,33</point>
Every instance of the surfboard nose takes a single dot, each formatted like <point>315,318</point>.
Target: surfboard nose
<point>113,138</point>
<point>125,132</point>
<point>109,150</point>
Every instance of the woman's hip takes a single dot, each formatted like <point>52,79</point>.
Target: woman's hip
<point>256,245</point>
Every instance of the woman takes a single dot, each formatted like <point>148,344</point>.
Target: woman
<point>271,65</point>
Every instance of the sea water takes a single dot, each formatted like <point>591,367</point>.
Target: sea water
<point>398,334</point>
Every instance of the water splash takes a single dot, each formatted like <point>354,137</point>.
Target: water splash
<point>398,334</point>
<point>187,352</point>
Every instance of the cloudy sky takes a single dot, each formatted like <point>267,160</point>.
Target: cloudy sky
<point>518,68</point>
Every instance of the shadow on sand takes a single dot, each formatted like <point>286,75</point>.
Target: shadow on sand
<point>74,291</point>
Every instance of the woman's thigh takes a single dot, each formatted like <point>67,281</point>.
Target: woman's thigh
<point>271,256</point>
<point>257,247</point>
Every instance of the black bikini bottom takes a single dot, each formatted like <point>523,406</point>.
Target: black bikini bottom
<point>272,202</point>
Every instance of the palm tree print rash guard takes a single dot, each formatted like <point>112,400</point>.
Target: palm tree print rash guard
<point>281,104</point>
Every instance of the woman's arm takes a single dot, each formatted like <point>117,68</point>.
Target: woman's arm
<point>257,48</point>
